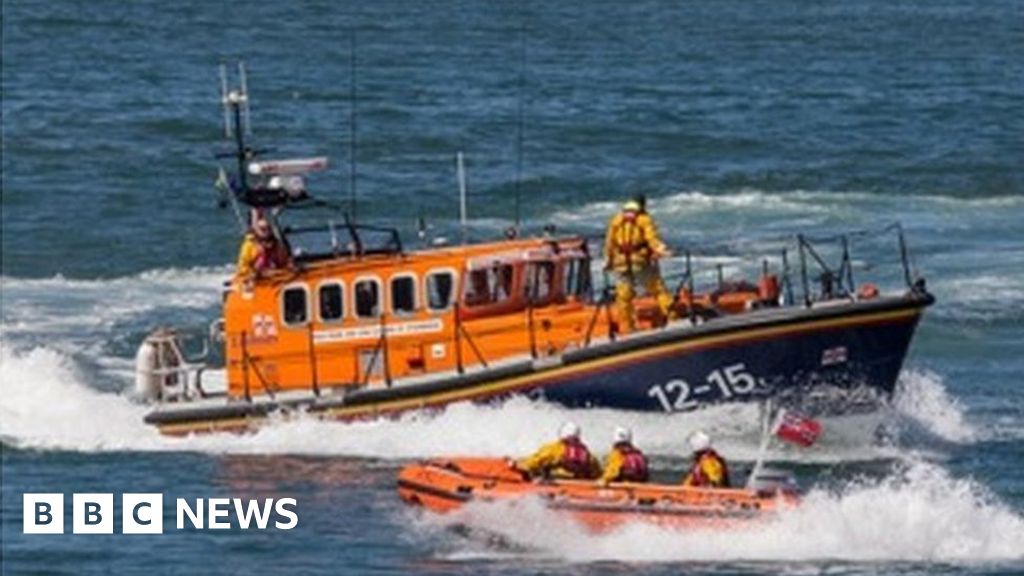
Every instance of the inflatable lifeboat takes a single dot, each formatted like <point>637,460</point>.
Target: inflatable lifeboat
<point>446,485</point>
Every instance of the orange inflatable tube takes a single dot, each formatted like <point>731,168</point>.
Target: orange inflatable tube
<point>445,485</point>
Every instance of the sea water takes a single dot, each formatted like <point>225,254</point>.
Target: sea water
<point>742,122</point>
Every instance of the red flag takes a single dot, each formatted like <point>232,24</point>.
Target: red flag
<point>798,429</point>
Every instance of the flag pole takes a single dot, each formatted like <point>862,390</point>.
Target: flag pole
<point>769,422</point>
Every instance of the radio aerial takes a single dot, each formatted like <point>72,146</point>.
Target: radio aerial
<point>235,100</point>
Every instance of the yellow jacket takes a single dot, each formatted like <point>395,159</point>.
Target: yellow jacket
<point>247,256</point>
<point>709,471</point>
<point>550,460</point>
<point>613,466</point>
<point>254,257</point>
<point>632,244</point>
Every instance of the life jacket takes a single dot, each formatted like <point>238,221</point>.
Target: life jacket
<point>697,473</point>
<point>630,240</point>
<point>576,459</point>
<point>634,464</point>
<point>269,256</point>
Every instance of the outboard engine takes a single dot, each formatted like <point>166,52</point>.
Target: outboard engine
<point>770,481</point>
<point>159,367</point>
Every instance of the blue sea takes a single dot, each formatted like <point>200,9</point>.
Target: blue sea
<point>740,120</point>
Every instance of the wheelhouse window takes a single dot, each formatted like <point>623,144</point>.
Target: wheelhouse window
<point>440,287</point>
<point>539,278</point>
<point>577,277</point>
<point>403,295</point>
<point>331,299</point>
<point>295,306</point>
<point>367,298</point>
<point>489,285</point>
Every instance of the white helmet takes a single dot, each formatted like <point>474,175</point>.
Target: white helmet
<point>699,441</point>
<point>623,434</point>
<point>569,430</point>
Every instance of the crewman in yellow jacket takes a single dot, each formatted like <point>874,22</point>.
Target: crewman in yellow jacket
<point>625,463</point>
<point>632,248</point>
<point>566,458</point>
<point>260,251</point>
<point>709,470</point>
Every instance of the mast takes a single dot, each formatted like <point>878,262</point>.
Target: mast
<point>352,126</point>
<point>461,174</point>
<point>519,119</point>
<point>236,119</point>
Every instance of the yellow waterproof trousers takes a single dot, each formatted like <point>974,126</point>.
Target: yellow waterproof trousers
<point>650,278</point>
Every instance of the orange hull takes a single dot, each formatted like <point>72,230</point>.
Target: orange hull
<point>446,485</point>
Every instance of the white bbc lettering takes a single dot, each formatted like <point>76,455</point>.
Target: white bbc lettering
<point>42,514</point>
<point>218,509</point>
<point>142,513</point>
<point>281,507</point>
<point>252,510</point>
<point>248,513</point>
<point>194,516</point>
<point>92,514</point>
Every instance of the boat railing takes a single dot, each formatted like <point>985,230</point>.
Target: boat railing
<point>603,304</point>
<point>255,381</point>
<point>166,372</point>
<point>251,364</point>
<point>380,352</point>
<point>834,280</point>
<point>341,239</point>
<point>460,334</point>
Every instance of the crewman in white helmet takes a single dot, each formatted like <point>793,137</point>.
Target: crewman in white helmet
<point>566,457</point>
<point>625,463</point>
<point>709,470</point>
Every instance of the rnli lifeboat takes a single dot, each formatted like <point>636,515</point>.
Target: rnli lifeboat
<point>446,485</point>
<point>357,324</point>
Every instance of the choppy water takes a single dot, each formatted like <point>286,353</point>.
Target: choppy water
<point>738,119</point>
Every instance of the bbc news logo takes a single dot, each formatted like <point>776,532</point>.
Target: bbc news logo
<point>144,513</point>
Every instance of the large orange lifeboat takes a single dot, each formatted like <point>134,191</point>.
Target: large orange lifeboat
<point>341,320</point>
<point>446,485</point>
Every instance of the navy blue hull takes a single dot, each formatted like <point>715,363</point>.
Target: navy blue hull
<point>820,369</point>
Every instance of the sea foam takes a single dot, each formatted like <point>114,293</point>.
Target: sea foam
<point>919,513</point>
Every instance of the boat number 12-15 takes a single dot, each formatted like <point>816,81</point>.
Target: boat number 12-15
<point>677,395</point>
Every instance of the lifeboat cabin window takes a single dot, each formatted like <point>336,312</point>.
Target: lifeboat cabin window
<point>332,298</point>
<point>440,286</point>
<point>539,279</point>
<point>489,285</point>
<point>577,277</point>
<point>295,306</point>
<point>403,295</point>
<point>367,296</point>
